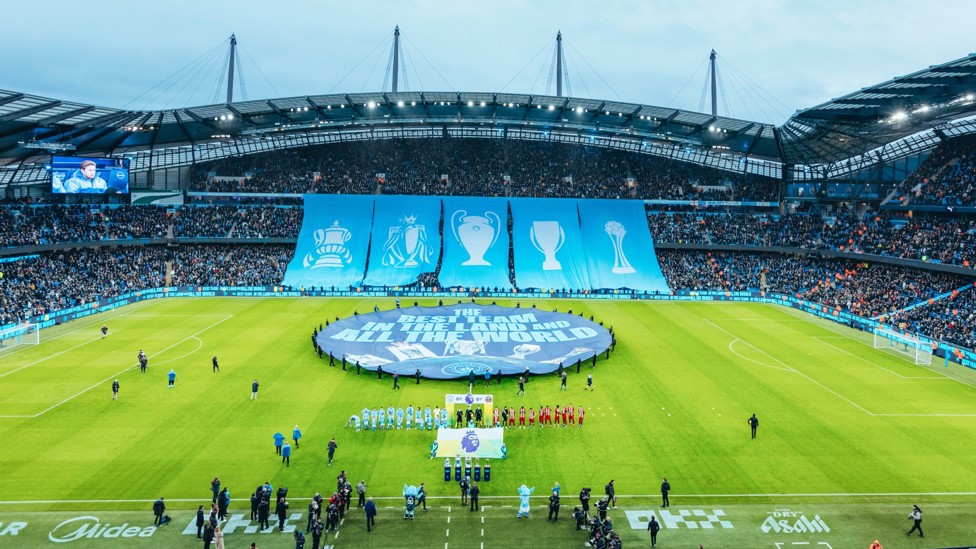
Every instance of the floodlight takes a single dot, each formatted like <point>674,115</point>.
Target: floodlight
<point>470,103</point>
<point>552,107</point>
<point>399,103</point>
<point>482,103</point>
<point>899,116</point>
<point>969,97</point>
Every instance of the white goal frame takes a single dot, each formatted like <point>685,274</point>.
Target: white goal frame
<point>906,345</point>
<point>21,334</point>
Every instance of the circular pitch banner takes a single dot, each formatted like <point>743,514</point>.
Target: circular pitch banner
<point>451,341</point>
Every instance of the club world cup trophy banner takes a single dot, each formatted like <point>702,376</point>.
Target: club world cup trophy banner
<point>619,249</point>
<point>452,341</point>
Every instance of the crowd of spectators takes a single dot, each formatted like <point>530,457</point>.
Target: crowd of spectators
<point>28,225</point>
<point>952,319</point>
<point>946,240</point>
<point>238,222</point>
<point>22,226</point>
<point>477,167</point>
<point>59,280</point>
<point>947,177</point>
<point>866,289</point>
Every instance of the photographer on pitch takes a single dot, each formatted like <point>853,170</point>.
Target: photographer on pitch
<point>916,516</point>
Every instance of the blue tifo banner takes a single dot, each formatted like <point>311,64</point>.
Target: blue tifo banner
<point>619,249</point>
<point>332,245</point>
<point>453,341</point>
<point>475,243</point>
<point>406,240</point>
<point>479,443</point>
<point>547,244</point>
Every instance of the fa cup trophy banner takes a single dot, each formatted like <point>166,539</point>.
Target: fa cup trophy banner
<point>406,246</point>
<point>476,233</point>
<point>548,237</point>
<point>330,248</point>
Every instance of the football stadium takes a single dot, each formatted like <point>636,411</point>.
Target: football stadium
<point>486,319</point>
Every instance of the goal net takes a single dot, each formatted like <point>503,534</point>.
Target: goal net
<point>21,334</point>
<point>906,345</point>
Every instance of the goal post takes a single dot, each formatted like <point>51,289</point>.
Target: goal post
<point>21,334</point>
<point>907,345</point>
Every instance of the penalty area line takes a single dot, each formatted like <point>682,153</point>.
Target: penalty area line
<point>797,372</point>
<point>83,391</point>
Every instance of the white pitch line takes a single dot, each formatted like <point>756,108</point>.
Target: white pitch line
<point>800,315</point>
<point>743,357</point>
<point>656,496</point>
<point>48,357</point>
<point>73,332</point>
<point>175,315</point>
<point>193,336</point>
<point>861,358</point>
<point>797,372</point>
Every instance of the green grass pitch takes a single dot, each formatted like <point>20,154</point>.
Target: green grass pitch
<point>848,434</point>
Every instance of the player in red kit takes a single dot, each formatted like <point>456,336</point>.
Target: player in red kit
<point>522,417</point>
<point>531,418</point>
<point>582,412</point>
<point>511,417</point>
<point>494,416</point>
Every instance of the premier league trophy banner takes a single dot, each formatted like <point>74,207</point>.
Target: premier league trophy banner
<point>405,242</point>
<point>452,341</point>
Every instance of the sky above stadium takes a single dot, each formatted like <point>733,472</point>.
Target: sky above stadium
<point>775,57</point>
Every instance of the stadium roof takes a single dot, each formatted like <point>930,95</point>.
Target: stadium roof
<point>905,115</point>
<point>875,116</point>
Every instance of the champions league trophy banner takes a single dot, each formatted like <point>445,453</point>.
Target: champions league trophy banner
<point>475,243</point>
<point>452,341</point>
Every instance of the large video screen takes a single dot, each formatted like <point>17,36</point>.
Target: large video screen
<point>79,175</point>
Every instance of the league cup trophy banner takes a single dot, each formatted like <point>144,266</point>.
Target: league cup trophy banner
<point>330,248</point>
<point>548,237</point>
<point>476,234</point>
<point>617,231</point>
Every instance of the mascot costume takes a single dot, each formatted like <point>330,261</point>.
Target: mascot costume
<point>524,494</point>
<point>410,498</point>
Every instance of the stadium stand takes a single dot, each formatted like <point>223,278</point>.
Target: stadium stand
<point>65,277</point>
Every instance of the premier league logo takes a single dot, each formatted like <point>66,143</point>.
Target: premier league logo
<point>470,442</point>
<point>406,245</point>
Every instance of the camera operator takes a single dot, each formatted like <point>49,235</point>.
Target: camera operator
<point>584,498</point>
<point>601,507</point>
